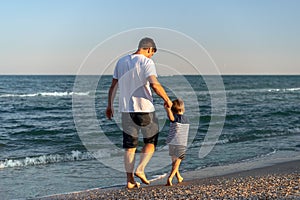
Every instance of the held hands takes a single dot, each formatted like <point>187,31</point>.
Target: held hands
<point>168,104</point>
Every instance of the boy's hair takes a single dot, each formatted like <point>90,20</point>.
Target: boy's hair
<point>178,106</point>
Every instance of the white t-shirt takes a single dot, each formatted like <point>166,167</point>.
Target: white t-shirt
<point>132,72</point>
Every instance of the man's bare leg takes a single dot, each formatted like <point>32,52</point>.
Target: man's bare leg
<point>129,160</point>
<point>146,155</point>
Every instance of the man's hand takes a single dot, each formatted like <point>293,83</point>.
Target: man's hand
<point>168,104</point>
<point>111,96</point>
<point>109,112</point>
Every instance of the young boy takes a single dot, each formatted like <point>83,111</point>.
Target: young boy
<point>177,138</point>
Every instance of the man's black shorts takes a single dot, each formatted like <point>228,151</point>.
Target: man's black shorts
<point>133,122</point>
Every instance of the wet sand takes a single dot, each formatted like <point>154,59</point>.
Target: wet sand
<point>279,181</point>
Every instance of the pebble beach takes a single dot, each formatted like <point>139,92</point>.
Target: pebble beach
<point>280,181</point>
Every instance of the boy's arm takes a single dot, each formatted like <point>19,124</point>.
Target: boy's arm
<point>169,113</point>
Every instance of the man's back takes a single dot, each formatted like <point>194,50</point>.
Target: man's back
<point>132,72</point>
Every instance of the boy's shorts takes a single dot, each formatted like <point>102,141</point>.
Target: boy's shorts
<point>177,151</point>
<point>133,122</point>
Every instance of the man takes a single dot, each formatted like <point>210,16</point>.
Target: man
<point>134,75</point>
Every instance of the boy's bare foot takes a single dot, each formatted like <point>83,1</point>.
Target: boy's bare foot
<point>143,178</point>
<point>169,182</point>
<point>133,185</point>
<point>180,179</point>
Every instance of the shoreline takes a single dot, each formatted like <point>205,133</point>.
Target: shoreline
<point>277,180</point>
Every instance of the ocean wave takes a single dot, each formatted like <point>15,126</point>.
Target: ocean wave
<point>294,130</point>
<point>62,94</point>
<point>284,90</point>
<point>261,156</point>
<point>261,90</point>
<point>46,159</point>
<point>246,136</point>
<point>47,94</point>
<point>259,134</point>
<point>209,143</point>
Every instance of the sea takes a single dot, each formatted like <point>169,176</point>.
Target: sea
<point>46,120</point>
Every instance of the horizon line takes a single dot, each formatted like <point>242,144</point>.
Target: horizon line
<point>221,74</point>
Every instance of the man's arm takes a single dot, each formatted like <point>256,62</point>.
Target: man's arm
<point>159,90</point>
<point>111,97</point>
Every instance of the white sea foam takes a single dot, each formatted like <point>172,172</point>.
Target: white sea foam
<point>284,90</point>
<point>46,159</point>
<point>294,130</point>
<point>67,93</point>
<point>263,90</point>
<point>157,177</point>
<point>47,94</point>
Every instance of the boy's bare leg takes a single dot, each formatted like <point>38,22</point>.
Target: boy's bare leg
<point>146,155</point>
<point>129,160</point>
<point>179,177</point>
<point>175,166</point>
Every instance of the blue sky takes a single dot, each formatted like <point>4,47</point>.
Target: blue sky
<point>242,36</point>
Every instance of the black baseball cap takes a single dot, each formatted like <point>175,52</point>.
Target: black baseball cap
<point>147,43</point>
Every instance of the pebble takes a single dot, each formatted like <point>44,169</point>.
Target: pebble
<point>282,186</point>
